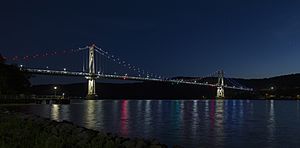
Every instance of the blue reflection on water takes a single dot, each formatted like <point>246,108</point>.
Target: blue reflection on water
<point>191,123</point>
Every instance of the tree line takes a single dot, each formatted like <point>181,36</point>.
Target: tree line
<point>12,79</point>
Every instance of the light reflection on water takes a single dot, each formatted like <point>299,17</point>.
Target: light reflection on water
<point>59,112</point>
<point>124,118</point>
<point>271,123</point>
<point>191,123</point>
<point>55,112</point>
<point>219,121</point>
<point>90,113</point>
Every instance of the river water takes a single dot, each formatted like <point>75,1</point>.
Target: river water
<point>189,123</point>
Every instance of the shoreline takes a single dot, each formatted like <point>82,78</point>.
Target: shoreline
<point>33,101</point>
<point>20,129</point>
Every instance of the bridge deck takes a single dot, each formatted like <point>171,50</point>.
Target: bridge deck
<point>119,77</point>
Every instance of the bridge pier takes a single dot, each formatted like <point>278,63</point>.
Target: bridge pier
<point>220,88</point>
<point>220,92</point>
<point>92,78</point>
<point>91,89</point>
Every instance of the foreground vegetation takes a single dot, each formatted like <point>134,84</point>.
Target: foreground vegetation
<point>19,130</point>
<point>12,80</point>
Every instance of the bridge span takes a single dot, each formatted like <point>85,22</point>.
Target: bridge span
<point>91,75</point>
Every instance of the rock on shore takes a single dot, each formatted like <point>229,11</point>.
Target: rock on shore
<point>24,130</point>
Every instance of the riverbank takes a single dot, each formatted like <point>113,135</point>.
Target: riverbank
<point>25,130</point>
<point>28,99</point>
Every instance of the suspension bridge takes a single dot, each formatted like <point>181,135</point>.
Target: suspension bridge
<point>92,69</point>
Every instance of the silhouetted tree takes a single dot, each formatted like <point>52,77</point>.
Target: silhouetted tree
<point>12,80</point>
<point>2,59</point>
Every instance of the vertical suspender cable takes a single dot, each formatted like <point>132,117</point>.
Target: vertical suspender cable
<point>96,67</point>
<point>100,61</point>
<point>87,61</point>
<point>83,62</point>
<point>103,66</point>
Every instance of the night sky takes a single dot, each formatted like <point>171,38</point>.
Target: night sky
<point>248,39</point>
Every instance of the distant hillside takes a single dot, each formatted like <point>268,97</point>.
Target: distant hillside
<point>285,81</point>
<point>286,86</point>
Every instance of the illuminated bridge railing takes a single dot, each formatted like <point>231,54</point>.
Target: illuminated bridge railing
<point>123,77</point>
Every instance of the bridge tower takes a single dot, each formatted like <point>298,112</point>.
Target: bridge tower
<point>220,88</point>
<point>92,75</point>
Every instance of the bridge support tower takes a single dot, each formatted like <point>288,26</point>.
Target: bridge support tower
<point>220,88</point>
<point>92,77</point>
